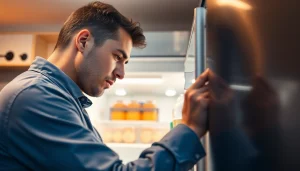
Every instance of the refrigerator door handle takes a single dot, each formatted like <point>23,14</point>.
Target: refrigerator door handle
<point>200,40</point>
<point>200,60</point>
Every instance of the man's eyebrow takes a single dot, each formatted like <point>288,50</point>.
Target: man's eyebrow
<point>123,53</point>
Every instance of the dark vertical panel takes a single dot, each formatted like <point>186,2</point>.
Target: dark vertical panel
<point>254,46</point>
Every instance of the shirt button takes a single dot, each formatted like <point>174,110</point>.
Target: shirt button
<point>197,156</point>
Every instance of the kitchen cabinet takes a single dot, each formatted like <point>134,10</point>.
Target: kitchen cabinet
<point>20,49</point>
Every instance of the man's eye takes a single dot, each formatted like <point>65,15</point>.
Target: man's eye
<point>118,57</point>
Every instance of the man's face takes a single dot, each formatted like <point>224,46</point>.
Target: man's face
<point>99,67</point>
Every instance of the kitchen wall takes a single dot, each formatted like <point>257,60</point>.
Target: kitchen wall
<point>18,44</point>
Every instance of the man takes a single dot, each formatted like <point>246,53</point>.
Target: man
<point>44,125</point>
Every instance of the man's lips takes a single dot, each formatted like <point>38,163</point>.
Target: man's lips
<point>110,82</point>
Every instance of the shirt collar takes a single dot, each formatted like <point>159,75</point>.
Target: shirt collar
<point>46,68</point>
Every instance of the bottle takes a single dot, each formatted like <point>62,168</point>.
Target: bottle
<point>118,111</point>
<point>133,112</point>
<point>177,110</point>
<point>149,111</point>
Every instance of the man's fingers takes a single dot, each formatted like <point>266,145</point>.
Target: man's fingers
<point>202,89</point>
<point>196,94</point>
<point>216,80</point>
<point>204,102</point>
<point>204,95</point>
<point>201,80</point>
<point>193,94</point>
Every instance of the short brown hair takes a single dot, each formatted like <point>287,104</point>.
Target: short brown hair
<point>103,21</point>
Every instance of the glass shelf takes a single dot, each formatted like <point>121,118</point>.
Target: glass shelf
<point>189,63</point>
<point>195,58</point>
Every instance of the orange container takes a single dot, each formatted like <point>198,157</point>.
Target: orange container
<point>149,113</point>
<point>118,111</point>
<point>133,112</point>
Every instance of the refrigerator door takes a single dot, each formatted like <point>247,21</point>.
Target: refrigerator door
<point>254,121</point>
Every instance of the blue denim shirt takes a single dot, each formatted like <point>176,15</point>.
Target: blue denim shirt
<point>44,126</point>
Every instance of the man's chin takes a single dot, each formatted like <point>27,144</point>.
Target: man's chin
<point>96,93</point>
<point>99,93</point>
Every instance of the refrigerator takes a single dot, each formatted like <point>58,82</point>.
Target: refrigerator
<point>253,48</point>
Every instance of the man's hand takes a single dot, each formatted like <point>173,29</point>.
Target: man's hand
<point>196,100</point>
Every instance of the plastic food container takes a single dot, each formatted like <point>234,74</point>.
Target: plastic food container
<point>129,132</point>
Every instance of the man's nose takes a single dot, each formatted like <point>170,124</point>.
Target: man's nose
<point>120,72</point>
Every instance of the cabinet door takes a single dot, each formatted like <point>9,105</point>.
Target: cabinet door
<point>18,44</point>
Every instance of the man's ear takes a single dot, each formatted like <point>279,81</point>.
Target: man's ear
<point>81,39</point>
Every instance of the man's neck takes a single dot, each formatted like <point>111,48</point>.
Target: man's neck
<point>65,61</point>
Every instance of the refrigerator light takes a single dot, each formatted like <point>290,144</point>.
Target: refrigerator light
<point>121,92</point>
<point>170,92</point>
